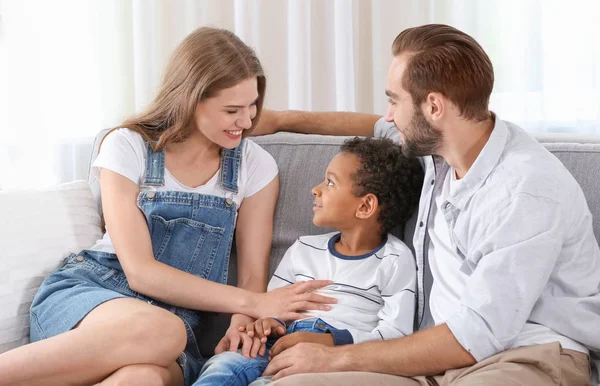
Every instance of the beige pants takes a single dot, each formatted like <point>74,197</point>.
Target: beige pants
<point>542,365</point>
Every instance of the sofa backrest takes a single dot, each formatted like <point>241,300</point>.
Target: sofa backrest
<point>302,160</point>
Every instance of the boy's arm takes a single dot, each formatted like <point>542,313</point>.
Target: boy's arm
<point>324,123</point>
<point>396,316</point>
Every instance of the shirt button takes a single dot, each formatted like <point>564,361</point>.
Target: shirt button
<point>79,258</point>
<point>432,182</point>
<point>421,224</point>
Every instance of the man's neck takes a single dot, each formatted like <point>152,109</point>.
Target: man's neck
<point>464,144</point>
<point>358,241</point>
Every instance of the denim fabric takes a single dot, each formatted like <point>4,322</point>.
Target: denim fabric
<point>233,369</point>
<point>189,231</point>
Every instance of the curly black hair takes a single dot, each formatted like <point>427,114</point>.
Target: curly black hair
<point>395,180</point>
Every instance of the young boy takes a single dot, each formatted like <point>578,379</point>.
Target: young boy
<point>369,188</point>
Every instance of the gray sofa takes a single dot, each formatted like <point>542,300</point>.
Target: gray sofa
<point>302,160</point>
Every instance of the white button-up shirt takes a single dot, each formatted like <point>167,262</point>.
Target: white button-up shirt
<point>521,226</point>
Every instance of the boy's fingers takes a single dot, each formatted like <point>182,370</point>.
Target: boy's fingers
<point>258,328</point>
<point>250,329</point>
<point>280,330</point>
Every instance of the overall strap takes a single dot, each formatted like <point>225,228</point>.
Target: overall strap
<point>231,160</point>
<point>155,167</point>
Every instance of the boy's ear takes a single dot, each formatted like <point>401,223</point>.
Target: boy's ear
<point>368,206</point>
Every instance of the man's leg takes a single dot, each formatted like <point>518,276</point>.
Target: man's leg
<point>543,365</point>
<point>350,379</point>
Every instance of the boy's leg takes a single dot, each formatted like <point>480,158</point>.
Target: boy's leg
<point>232,368</point>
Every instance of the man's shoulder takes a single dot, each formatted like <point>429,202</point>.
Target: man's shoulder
<point>527,167</point>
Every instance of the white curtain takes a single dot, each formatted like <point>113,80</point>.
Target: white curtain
<point>69,68</point>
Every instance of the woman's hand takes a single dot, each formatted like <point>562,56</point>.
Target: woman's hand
<point>234,337</point>
<point>286,302</point>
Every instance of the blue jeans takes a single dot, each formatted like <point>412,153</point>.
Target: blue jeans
<point>233,369</point>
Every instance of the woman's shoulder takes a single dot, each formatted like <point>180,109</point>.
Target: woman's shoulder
<point>124,139</point>
<point>125,134</point>
<point>258,168</point>
<point>255,155</point>
<point>251,148</point>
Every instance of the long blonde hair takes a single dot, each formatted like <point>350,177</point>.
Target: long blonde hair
<point>206,61</point>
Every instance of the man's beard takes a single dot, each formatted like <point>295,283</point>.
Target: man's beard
<point>423,140</point>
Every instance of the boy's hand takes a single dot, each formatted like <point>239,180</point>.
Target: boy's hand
<point>264,327</point>
<point>234,338</point>
<point>294,338</point>
<point>259,330</point>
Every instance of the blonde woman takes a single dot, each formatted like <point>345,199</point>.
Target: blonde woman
<point>175,180</point>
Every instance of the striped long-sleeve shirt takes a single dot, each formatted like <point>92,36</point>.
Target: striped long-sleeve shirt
<point>375,291</point>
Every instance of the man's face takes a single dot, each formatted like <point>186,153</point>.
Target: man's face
<point>418,136</point>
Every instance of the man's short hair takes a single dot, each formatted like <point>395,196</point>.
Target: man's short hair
<point>446,60</point>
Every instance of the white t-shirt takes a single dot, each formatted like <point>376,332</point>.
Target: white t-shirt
<point>124,151</point>
<point>375,292</point>
<point>449,281</point>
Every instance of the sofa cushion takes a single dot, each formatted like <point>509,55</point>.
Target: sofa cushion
<point>39,229</point>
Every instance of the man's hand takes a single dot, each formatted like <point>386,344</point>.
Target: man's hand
<point>303,358</point>
<point>293,339</point>
<point>234,337</point>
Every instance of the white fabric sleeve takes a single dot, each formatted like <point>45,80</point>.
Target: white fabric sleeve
<point>260,168</point>
<point>384,129</point>
<point>396,317</point>
<point>122,153</point>
<point>284,274</point>
<point>512,257</point>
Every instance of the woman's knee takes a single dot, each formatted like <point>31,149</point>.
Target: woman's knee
<point>134,375</point>
<point>158,331</point>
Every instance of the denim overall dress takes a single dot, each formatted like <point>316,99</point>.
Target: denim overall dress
<point>189,231</point>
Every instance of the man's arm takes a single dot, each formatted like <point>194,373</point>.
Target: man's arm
<point>325,123</point>
<point>427,352</point>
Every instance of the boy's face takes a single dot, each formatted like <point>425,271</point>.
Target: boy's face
<point>334,203</point>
